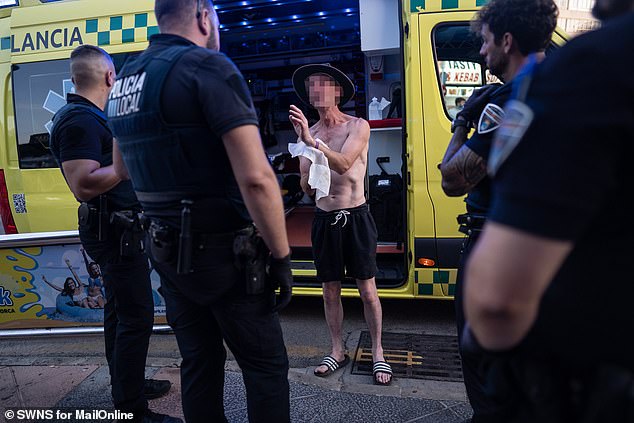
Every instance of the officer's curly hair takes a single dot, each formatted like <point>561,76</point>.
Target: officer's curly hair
<point>531,22</point>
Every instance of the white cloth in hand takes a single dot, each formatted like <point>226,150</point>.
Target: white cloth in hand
<point>319,172</point>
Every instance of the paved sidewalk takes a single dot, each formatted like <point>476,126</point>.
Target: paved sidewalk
<point>70,371</point>
<point>341,398</point>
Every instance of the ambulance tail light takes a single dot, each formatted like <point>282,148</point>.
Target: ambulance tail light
<point>426,262</point>
<point>5,207</point>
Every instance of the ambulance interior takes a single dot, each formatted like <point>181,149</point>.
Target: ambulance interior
<point>268,40</point>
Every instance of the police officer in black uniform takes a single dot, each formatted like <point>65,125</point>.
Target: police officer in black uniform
<point>81,142</point>
<point>510,30</point>
<point>187,137</point>
<point>549,287</point>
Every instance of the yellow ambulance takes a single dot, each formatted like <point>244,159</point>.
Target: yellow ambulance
<point>411,61</point>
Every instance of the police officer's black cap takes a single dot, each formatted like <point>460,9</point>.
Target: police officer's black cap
<point>302,73</point>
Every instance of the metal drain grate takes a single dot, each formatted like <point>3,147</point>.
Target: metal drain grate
<point>413,356</point>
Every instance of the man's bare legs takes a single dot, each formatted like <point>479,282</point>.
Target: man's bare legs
<point>374,318</point>
<point>333,310</point>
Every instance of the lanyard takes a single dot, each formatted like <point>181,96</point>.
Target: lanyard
<point>523,80</point>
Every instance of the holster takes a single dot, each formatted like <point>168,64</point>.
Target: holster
<point>130,231</point>
<point>95,219</point>
<point>87,216</point>
<point>471,223</point>
<point>250,255</point>
<point>162,242</point>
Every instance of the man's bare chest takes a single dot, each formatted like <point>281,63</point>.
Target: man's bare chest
<point>334,138</point>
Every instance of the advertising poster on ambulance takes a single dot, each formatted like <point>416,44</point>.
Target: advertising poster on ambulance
<point>55,286</point>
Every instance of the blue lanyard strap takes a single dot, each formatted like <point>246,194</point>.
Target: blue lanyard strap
<point>524,78</point>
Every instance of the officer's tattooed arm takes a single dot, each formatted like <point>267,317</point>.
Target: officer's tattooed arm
<point>461,168</point>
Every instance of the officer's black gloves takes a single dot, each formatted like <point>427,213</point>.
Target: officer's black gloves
<point>280,277</point>
<point>497,372</point>
<point>476,103</point>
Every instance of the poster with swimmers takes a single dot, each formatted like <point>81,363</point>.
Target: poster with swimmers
<point>53,286</point>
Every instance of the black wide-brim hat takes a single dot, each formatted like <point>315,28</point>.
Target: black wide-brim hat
<point>302,73</point>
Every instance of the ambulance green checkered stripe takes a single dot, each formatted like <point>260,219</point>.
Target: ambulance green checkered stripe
<point>428,289</point>
<point>115,24</point>
<point>5,43</point>
<point>439,277</point>
<point>425,289</point>
<point>423,5</point>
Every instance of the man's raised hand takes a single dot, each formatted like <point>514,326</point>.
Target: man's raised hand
<point>300,124</point>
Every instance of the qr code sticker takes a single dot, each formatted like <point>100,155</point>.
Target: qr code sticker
<point>19,202</point>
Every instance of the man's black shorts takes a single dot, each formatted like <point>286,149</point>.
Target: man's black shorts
<point>344,244</point>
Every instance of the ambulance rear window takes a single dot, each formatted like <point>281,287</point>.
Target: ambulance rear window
<point>39,90</point>
<point>458,63</point>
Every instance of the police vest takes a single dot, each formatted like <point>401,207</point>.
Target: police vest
<point>168,162</point>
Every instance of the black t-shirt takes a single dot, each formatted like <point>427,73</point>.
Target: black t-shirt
<point>570,178</point>
<point>83,135</point>
<point>203,96</point>
<point>204,86</point>
<point>479,198</point>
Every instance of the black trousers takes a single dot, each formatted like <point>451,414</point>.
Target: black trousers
<point>208,306</point>
<point>554,390</point>
<point>128,318</point>
<point>485,404</point>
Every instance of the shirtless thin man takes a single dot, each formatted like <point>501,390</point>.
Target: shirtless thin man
<point>344,140</point>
